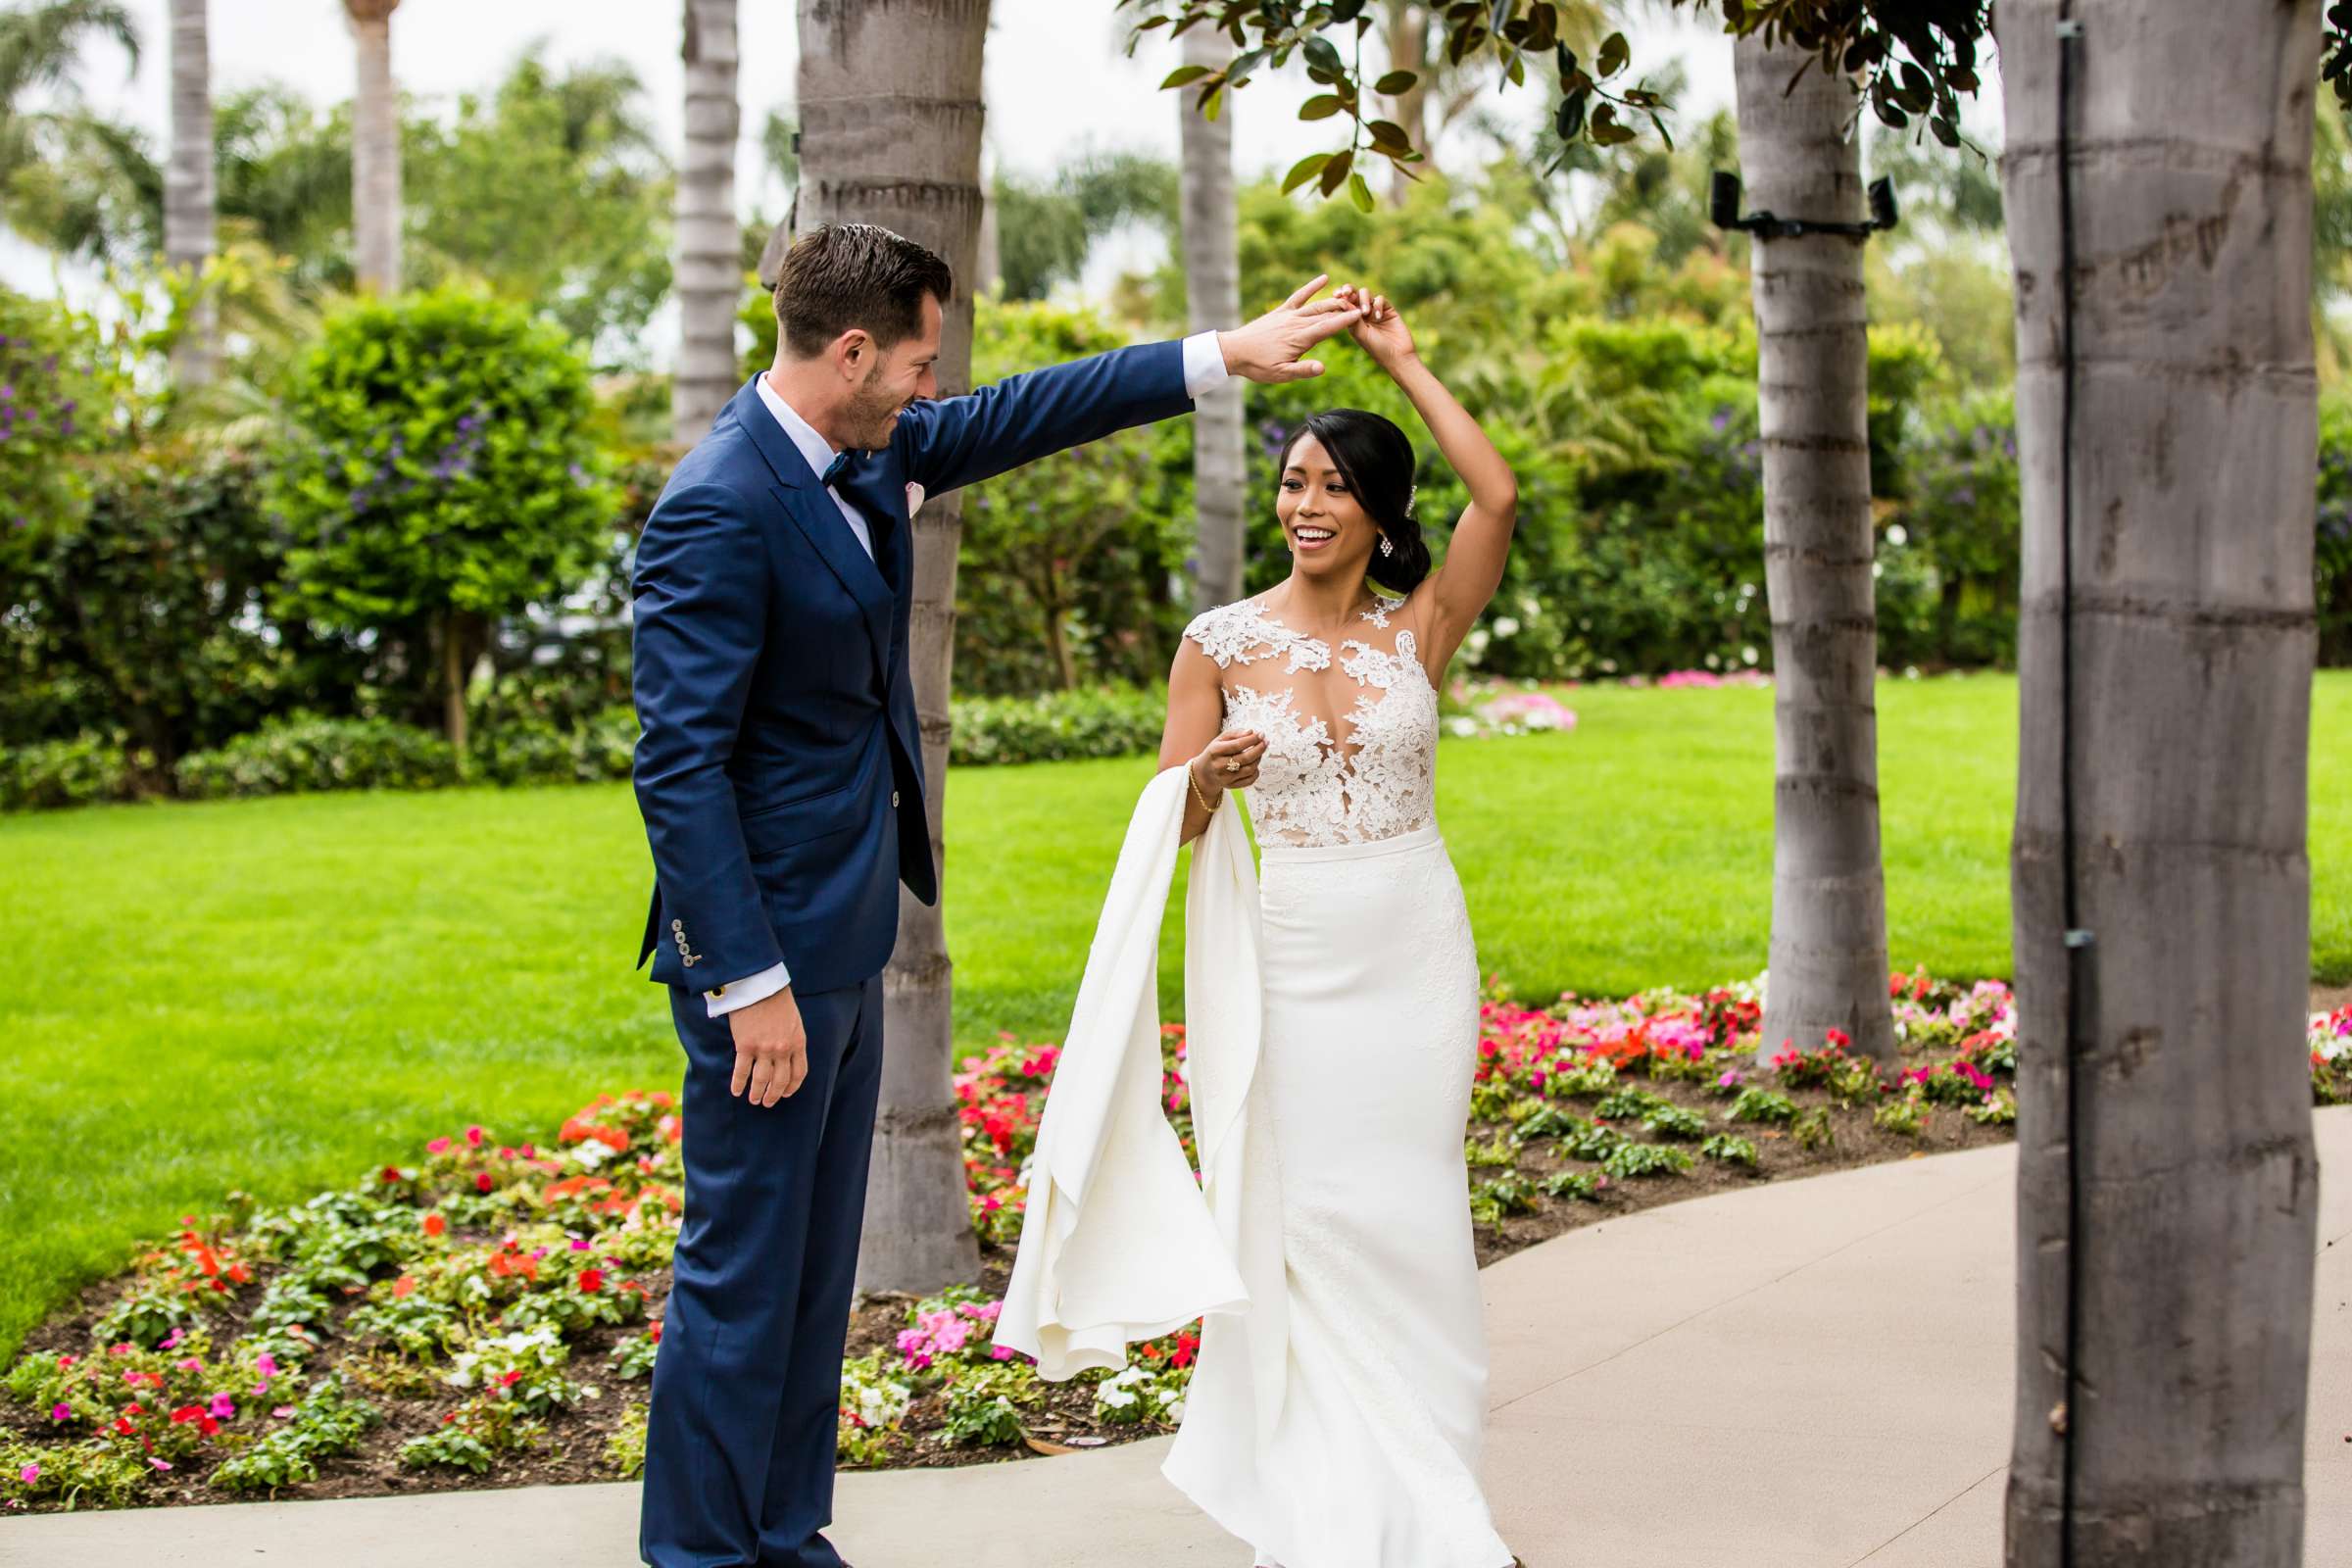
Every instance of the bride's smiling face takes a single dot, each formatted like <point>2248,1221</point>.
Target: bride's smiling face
<point>1327,530</point>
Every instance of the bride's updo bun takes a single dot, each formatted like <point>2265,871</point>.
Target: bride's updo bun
<point>1376,458</point>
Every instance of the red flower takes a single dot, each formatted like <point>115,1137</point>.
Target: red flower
<point>434,1224</point>
<point>406,1285</point>
<point>655,1330</point>
<point>482,1182</point>
<point>506,1380</point>
<point>391,1174</point>
<point>592,1280</point>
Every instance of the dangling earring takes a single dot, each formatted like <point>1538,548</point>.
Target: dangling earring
<point>1387,547</point>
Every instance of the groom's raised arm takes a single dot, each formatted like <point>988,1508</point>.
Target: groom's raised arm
<point>951,442</point>
<point>948,443</point>
<point>700,622</point>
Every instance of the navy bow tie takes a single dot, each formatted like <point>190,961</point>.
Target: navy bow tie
<point>835,469</point>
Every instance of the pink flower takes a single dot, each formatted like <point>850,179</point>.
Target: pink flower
<point>177,1334</point>
<point>579,1244</point>
<point>124,1349</point>
<point>282,1412</point>
<point>474,1136</point>
<point>29,1474</point>
<point>266,1364</point>
<point>59,1413</point>
<point>439,1146</point>
<point>224,1406</point>
<point>161,1465</point>
<point>191,1364</point>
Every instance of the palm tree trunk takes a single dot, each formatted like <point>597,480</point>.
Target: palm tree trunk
<point>710,265</point>
<point>375,149</point>
<point>2192,479</point>
<point>890,118</point>
<point>1212,289</point>
<point>188,201</point>
<point>1829,899</point>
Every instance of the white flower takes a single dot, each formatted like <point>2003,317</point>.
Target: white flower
<point>1506,627</point>
<point>1748,653</point>
<point>591,1154</point>
<point>1897,535</point>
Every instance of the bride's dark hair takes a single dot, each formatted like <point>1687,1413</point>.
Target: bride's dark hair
<point>1376,458</point>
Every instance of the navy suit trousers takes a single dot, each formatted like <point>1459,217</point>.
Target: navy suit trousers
<point>747,1384</point>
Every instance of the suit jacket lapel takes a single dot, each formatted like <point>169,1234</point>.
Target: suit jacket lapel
<point>814,513</point>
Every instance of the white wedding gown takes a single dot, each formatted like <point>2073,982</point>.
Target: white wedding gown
<point>1370,1036</point>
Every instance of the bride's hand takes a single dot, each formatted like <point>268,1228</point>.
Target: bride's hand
<point>1379,331</point>
<point>1230,762</point>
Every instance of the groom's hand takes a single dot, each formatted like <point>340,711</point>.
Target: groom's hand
<point>1269,349</point>
<point>771,1049</point>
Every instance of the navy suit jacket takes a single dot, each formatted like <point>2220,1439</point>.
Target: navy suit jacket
<point>779,769</point>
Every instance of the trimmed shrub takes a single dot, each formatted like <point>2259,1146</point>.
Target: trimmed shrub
<point>75,772</point>
<point>1108,721</point>
<point>305,754</point>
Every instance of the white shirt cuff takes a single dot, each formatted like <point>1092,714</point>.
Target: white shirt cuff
<point>743,993</point>
<point>1203,365</point>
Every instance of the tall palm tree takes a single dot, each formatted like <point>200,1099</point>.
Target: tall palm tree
<point>1828,964</point>
<point>1212,287</point>
<point>2172,710</point>
<point>41,47</point>
<point>375,149</point>
<point>709,264</point>
<point>890,132</point>
<point>189,215</point>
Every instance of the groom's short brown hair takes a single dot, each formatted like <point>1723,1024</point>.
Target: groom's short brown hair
<point>842,275</point>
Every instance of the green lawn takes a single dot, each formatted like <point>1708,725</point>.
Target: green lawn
<point>273,994</point>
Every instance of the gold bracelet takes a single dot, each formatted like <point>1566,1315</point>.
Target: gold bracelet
<point>1194,779</point>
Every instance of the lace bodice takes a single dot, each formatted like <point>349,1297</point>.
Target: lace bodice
<point>1376,780</point>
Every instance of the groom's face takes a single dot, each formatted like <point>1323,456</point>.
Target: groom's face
<point>900,375</point>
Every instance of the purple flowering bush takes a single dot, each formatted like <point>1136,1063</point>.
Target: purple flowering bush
<point>53,402</point>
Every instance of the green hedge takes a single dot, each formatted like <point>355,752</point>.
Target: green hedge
<point>75,772</point>
<point>294,756</point>
<point>541,754</point>
<point>1107,722</point>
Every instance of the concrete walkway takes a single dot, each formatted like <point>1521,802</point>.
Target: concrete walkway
<point>1811,1374</point>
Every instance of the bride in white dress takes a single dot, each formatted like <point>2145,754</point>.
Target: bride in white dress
<point>1318,698</point>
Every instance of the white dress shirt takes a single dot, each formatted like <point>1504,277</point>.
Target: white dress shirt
<point>1203,370</point>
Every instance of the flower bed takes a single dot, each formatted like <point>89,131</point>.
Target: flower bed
<point>495,1307</point>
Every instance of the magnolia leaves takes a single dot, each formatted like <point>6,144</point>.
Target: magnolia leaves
<point>1914,62</point>
<point>1579,115</point>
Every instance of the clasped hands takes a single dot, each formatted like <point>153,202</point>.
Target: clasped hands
<point>1273,348</point>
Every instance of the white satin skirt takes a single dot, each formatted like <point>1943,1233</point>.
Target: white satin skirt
<point>1371,988</point>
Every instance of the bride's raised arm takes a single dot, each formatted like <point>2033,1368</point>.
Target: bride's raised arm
<point>1481,543</point>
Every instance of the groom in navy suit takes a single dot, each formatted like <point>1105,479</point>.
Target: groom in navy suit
<point>782,778</point>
